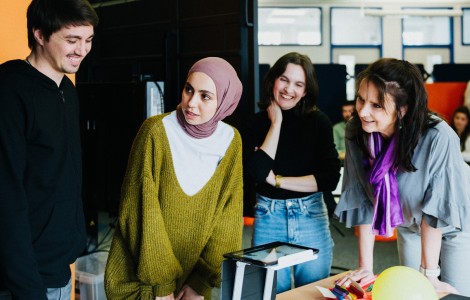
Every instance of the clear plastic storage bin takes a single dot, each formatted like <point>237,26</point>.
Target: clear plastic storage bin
<point>89,276</point>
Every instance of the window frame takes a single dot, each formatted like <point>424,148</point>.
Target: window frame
<point>449,46</point>
<point>320,9</point>
<point>465,43</point>
<point>359,45</point>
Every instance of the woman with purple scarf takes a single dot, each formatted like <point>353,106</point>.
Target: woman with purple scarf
<point>404,170</point>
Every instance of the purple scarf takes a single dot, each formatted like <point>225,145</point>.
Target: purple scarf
<point>382,176</point>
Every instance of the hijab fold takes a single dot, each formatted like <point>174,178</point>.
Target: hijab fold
<point>228,88</point>
<point>382,176</point>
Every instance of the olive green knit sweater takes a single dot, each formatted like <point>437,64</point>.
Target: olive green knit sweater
<point>165,238</point>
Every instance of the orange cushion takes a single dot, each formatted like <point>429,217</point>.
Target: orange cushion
<point>445,97</point>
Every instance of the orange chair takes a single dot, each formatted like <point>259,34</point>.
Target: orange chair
<point>445,97</point>
<point>381,238</point>
<point>248,221</point>
<point>72,269</point>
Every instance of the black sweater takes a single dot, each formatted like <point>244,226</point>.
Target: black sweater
<point>305,147</point>
<point>41,216</point>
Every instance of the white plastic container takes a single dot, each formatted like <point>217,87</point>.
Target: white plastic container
<point>89,276</point>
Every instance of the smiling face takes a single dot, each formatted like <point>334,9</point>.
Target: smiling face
<point>199,99</point>
<point>65,49</point>
<point>289,88</point>
<point>375,117</point>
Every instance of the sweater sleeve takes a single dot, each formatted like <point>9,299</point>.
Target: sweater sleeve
<point>355,207</point>
<point>19,269</point>
<point>227,230</point>
<point>141,263</point>
<point>257,162</point>
<point>327,172</point>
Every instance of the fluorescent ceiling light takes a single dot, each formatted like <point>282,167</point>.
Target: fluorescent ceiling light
<point>412,12</point>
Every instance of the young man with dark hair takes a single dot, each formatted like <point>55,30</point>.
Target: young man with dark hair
<point>41,214</point>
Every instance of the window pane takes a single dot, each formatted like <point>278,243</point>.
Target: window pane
<point>350,27</point>
<point>289,26</point>
<point>419,31</point>
<point>466,26</point>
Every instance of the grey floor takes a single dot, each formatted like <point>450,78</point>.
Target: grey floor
<point>344,255</point>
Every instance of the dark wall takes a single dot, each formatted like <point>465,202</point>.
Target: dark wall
<point>331,89</point>
<point>358,68</point>
<point>159,41</point>
<point>451,73</point>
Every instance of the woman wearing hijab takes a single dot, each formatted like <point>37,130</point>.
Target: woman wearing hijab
<point>182,196</point>
<point>404,170</point>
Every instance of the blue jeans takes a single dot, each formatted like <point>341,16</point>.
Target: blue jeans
<point>62,293</point>
<point>302,221</point>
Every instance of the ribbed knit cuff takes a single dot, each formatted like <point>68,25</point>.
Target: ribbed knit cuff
<point>201,287</point>
<point>164,290</point>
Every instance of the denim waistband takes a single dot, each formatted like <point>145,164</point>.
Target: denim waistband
<point>292,202</point>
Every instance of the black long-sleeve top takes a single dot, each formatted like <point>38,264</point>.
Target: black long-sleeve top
<point>41,216</point>
<point>305,147</point>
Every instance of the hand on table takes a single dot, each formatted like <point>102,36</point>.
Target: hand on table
<point>362,276</point>
<point>442,287</point>
<point>359,275</point>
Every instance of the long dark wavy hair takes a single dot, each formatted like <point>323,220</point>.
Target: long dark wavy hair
<point>464,135</point>
<point>307,103</point>
<point>404,83</point>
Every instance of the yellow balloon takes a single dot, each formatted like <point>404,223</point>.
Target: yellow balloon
<point>402,283</point>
